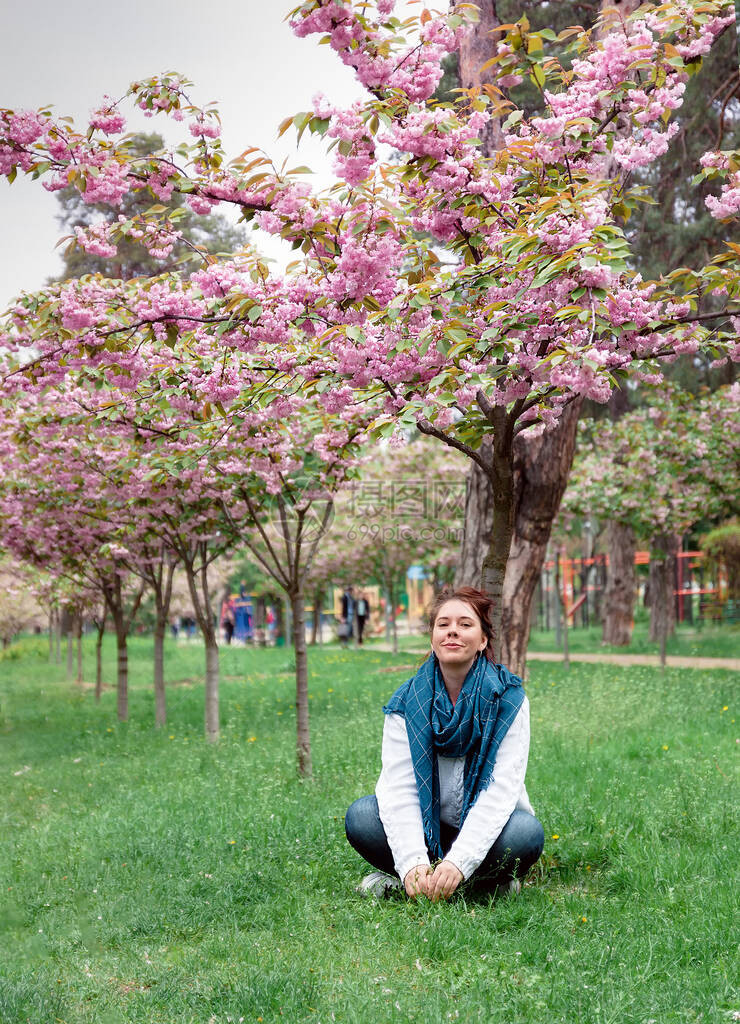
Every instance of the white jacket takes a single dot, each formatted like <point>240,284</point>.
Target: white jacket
<point>398,798</point>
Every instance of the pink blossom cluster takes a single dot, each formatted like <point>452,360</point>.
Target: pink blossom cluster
<point>95,240</point>
<point>363,45</point>
<point>107,119</point>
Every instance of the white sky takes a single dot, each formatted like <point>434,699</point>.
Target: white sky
<point>239,53</point>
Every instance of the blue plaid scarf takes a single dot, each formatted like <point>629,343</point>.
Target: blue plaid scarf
<point>488,703</point>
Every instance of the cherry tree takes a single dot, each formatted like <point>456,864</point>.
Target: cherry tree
<point>480,296</point>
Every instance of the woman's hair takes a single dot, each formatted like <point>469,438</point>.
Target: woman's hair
<point>480,603</point>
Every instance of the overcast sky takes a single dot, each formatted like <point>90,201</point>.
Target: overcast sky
<point>239,53</point>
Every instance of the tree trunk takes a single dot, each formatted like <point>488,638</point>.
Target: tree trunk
<point>58,637</point>
<point>478,521</point>
<point>67,626</point>
<point>318,600</point>
<point>664,550</point>
<point>391,591</point>
<point>78,633</point>
<point>122,672</point>
<point>619,595</point>
<point>541,468</point>
<point>99,660</point>
<point>204,614</point>
<point>303,736</point>
<point>160,698</point>
<point>212,723</point>
<point>477,47</point>
<point>52,620</point>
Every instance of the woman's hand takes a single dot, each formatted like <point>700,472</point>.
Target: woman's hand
<point>417,881</point>
<point>444,881</point>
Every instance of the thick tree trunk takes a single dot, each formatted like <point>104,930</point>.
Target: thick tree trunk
<point>303,735</point>
<point>664,550</point>
<point>541,468</point>
<point>619,594</point>
<point>160,698</point>
<point>477,47</point>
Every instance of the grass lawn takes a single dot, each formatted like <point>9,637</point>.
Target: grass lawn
<point>705,641</point>
<point>149,877</point>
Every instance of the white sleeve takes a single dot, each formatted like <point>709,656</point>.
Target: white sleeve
<point>495,804</point>
<point>398,799</point>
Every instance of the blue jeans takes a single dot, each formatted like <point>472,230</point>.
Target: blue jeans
<point>512,855</point>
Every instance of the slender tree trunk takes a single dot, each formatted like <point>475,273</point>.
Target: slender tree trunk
<point>561,608</point>
<point>67,625</point>
<point>212,722</point>
<point>619,596</point>
<point>79,623</point>
<point>58,637</point>
<point>303,736</point>
<point>318,600</point>
<point>122,671</point>
<point>664,550</point>
<point>51,634</point>
<point>541,468</point>
<point>160,698</point>
<point>99,659</point>
<point>391,591</point>
<point>478,521</point>
<point>204,615</point>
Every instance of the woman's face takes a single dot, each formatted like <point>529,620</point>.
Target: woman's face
<point>457,635</point>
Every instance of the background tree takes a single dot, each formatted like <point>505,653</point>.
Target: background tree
<point>721,548</point>
<point>660,469</point>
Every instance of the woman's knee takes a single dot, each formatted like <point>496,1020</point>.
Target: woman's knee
<point>361,817</point>
<point>525,836</point>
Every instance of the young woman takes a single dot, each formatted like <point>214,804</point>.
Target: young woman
<point>450,803</point>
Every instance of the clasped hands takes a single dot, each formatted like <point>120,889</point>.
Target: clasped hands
<point>434,883</point>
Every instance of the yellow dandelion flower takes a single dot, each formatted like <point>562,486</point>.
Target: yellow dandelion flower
<point>725,708</point>
<point>251,739</point>
<point>556,836</point>
<point>232,842</point>
<point>584,919</point>
<point>665,746</point>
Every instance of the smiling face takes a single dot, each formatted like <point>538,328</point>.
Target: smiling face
<point>457,635</point>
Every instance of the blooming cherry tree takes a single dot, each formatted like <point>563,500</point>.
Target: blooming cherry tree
<point>478,296</point>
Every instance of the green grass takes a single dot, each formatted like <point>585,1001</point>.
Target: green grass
<point>706,641</point>
<point>148,877</point>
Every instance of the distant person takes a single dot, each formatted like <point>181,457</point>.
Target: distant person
<point>362,611</point>
<point>451,790</point>
<point>227,617</point>
<point>346,625</point>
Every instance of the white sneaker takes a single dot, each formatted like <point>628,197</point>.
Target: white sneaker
<point>379,884</point>
<point>512,888</point>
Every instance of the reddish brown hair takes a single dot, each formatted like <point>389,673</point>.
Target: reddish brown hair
<point>480,603</point>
